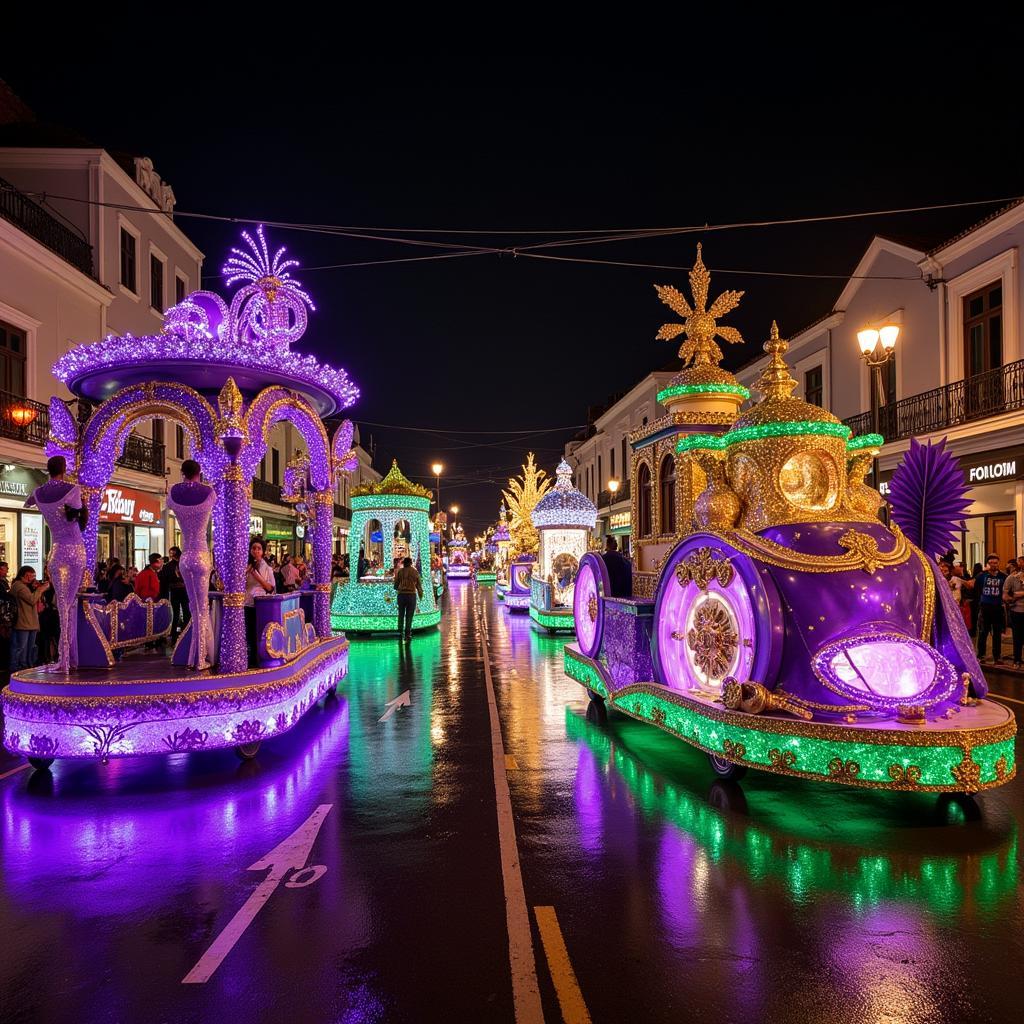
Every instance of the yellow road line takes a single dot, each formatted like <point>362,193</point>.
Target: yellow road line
<point>567,988</point>
<point>511,764</point>
<point>999,696</point>
<point>14,771</point>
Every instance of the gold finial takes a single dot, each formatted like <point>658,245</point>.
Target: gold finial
<point>229,401</point>
<point>700,324</point>
<point>776,381</point>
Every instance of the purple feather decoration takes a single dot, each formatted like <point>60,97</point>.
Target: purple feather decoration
<point>928,497</point>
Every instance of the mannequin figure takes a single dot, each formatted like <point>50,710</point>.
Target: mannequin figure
<point>192,503</point>
<point>60,502</point>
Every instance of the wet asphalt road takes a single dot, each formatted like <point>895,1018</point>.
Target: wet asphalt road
<point>678,897</point>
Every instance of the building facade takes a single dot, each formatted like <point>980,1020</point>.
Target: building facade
<point>957,370</point>
<point>603,456</point>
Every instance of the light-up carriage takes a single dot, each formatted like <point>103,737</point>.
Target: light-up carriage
<point>226,375</point>
<point>391,518</point>
<point>458,556</point>
<point>786,628</point>
<point>563,518</point>
<point>502,542</point>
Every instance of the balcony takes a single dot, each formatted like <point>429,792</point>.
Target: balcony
<point>605,498</point>
<point>980,397</point>
<point>342,512</point>
<point>44,227</point>
<point>21,419</point>
<point>264,490</point>
<point>143,455</point>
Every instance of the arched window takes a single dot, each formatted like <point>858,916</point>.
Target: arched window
<point>667,480</point>
<point>643,499</point>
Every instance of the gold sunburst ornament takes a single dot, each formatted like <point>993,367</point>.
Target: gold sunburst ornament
<point>700,324</point>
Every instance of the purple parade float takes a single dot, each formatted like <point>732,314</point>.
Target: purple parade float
<point>773,620</point>
<point>226,375</point>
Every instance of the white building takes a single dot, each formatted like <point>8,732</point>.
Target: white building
<point>89,247</point>
<point>958,369</point>
<point>603,455</point>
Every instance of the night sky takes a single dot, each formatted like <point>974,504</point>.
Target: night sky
<point>509,342</point>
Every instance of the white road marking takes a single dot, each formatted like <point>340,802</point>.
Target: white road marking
<point>401,701</point>
<point>289,855</point>
<point>525,991</point>
<point>14,771</point>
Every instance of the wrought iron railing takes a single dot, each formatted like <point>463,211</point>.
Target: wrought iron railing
<point>21,419</point>
<point>143,455</point>
<point>979,397</point>
<point>606,498</point>
<point>37,221</point>
<point>264,490</point>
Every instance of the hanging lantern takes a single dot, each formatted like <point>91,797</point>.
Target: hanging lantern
<point>22,414</point>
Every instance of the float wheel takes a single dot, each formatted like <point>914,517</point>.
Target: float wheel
<point>247,751</point>
<point>40,763</point>
<point>726,769</point>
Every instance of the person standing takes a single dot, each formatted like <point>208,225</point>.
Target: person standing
<point>259,580</point>
<point>409,587</point>
<point>620,572</point>
<point>26,623</point>
<point>1013,593</point>
<point>147,583</point>
<point>120,588</point>
<point>192,503</point>
<point>991,618</point>
<point>172,586</point>
<point>289,575</point>
<point>7,609</point>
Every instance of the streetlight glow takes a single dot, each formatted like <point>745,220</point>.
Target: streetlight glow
<point>437,468</point>
<point>867,339</point>
<point>613,486</point>
<point>888,335</point>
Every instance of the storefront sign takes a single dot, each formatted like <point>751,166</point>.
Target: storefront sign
<point>32,542</point>
<point>992,471</point>
<point>278,529</point>
<point>981,468</point>
<point>125,505</point>
<point>255,525</point>
<point>18,482</point>
<point>619,522</point>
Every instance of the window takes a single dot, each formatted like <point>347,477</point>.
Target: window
<point>263,468</point>
<point>644,500</point>
<point>813,386</point>
<point>13,344</point>
<point>158,431</point>
<point>611,456</point>
<point>156,282</point>
<point>128,245</point>
<point>983,329</point>
<point>275,465</point>
<point>599,474</point>
<point>179,288</point>
<point>667,480</point>
<point>625,459</point>
<point>179,441</point>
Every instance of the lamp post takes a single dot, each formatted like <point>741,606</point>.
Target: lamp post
<point>877,346</point>
<point>438,469</point>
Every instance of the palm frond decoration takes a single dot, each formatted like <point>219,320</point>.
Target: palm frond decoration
<point>928,497</point>
<point>521,498</point>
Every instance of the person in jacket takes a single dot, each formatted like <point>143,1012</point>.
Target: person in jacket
<point>27,595</point>
<point>147,583</point>
<point>991,616</point>
<point>1013,595</point>
<point>409,587</point>
<point>172,586</point>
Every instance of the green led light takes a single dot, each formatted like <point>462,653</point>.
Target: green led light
<point>813,756</point>
<point>361,502</point>
<point>553,620</point>
<point>585,674</point>
<point>703,389</point>
<point>487,577</point>
<point>381,623</point>
<point>855,444</point>
<point>799,428</point>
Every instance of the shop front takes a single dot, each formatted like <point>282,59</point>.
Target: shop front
<point>993,521</point>
<point>130,526</point>
<point>620,526</point>
<point>279,536</point>
<point>22,531</point>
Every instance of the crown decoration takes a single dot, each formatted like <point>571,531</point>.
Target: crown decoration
<point>700,324</point>
<point>394,483</point>
<point>776,381</point>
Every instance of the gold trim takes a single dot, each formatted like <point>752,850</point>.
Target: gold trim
<point>778,555</point>
<point>234,599</point>
<point>233,474</point>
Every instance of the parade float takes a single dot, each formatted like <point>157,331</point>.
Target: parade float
<point>774,621</point>
<point>563,518</point>
<point>521,498</point>
<point>459,567</point>
<point>226,374</point>
<point>502,542</point>
<point>395,511</point>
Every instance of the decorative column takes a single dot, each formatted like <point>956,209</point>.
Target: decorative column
<point>322,514</point>
<point>233,651</point>
<point>92,498</point>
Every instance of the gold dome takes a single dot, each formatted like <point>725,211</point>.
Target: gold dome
<point>776,384</point>
<point>703,374</point>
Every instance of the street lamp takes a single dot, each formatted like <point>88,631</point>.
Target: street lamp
<point>613,486</point>
<point>438,469</point>
<point>877,346</point>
